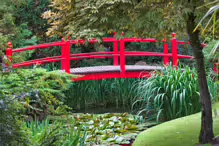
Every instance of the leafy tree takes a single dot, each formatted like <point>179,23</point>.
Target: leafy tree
<point>141,18</point>
<point>19,35</point>
<point>212,24</point>
<point>30,13</point>
<point>10,31</point>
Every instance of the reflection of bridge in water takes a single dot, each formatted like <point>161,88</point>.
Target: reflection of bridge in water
<point>119,69</point>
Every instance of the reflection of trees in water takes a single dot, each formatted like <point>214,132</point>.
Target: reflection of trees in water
<point>101,110</point>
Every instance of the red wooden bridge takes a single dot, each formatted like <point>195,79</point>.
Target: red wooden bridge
<point>119,69</point>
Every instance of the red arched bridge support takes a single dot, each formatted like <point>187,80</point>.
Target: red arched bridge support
<point>119,69</point>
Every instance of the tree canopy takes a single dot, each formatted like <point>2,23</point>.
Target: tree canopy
<point>10,30</point>
<point>140,18</point>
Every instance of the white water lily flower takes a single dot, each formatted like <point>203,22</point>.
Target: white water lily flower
<point>119,139</point>
<point>90,122</point>
<point>111,123</point>
<point>110,139</point>
<point>114,119</point>
<point>91,127</point>
<point>101,125</point>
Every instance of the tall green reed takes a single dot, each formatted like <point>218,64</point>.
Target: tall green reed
<point>112,92</point>
<point>170,94</point>
<point>59,133</point>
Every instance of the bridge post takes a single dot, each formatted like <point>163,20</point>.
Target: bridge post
<point>115,54</point>
<point>66,50</point>
<point>63,56</point>
<point>115,51</point>
<point>174,50</point>
<point>67,58</point>
<point>122,56</point>
<point>166,58</point>
<point>9,52</point>
<point>216,68</point>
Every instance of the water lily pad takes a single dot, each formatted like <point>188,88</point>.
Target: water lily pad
<point>131,127</point>
<point>104,137</point>
<point>109,128</point>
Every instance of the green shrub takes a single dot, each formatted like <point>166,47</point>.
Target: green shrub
<point>170,94</point>
<point>11,131</point>
<point>45,90</point>
<point>39,91</point>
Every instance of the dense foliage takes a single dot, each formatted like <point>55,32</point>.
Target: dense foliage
<point>31,95</point>
<point>141,18</point>
<point>211,52</point>
<point>58,133</point>
<point>19,34</point>
<point>136,18</point>
<point>45,90</point>
<point>30,12</point>
<point>172,93</point>
<point>11,131</point>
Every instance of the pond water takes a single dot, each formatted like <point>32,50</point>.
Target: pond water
<point>111,125</point>
<point>101,110</point>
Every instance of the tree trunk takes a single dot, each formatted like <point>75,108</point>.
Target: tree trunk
<point>206,133</point>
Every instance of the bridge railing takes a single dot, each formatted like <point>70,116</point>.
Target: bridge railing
<point>119,52</point>
<point>10,52</point>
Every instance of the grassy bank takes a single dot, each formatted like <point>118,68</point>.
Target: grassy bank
<point>181,132</point>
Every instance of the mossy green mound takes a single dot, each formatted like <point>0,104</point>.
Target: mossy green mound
<point>179,132</point>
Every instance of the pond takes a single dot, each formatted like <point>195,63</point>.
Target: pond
<point>110,125</point>
<point>102,110</point>
<point>111,128</point>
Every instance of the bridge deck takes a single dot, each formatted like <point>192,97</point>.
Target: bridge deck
<point>111,68</point>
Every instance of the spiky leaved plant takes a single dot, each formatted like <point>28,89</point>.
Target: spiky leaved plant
<point>171,94</point>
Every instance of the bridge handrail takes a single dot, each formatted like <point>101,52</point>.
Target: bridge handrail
<point>66,57</point>
<point>94,55</point>
<point>40,46</point>
<point>37,62</point>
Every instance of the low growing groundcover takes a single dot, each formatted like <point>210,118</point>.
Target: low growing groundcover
<point>179,132</point>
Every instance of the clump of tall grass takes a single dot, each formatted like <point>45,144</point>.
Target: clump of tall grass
<point>58,133</point>
<point>170,94</point>
<point>111,92</point>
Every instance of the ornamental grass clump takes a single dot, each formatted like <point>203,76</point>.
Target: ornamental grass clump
<point>59,133</point>
<point>112,92</point>
<point>170,94</point>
